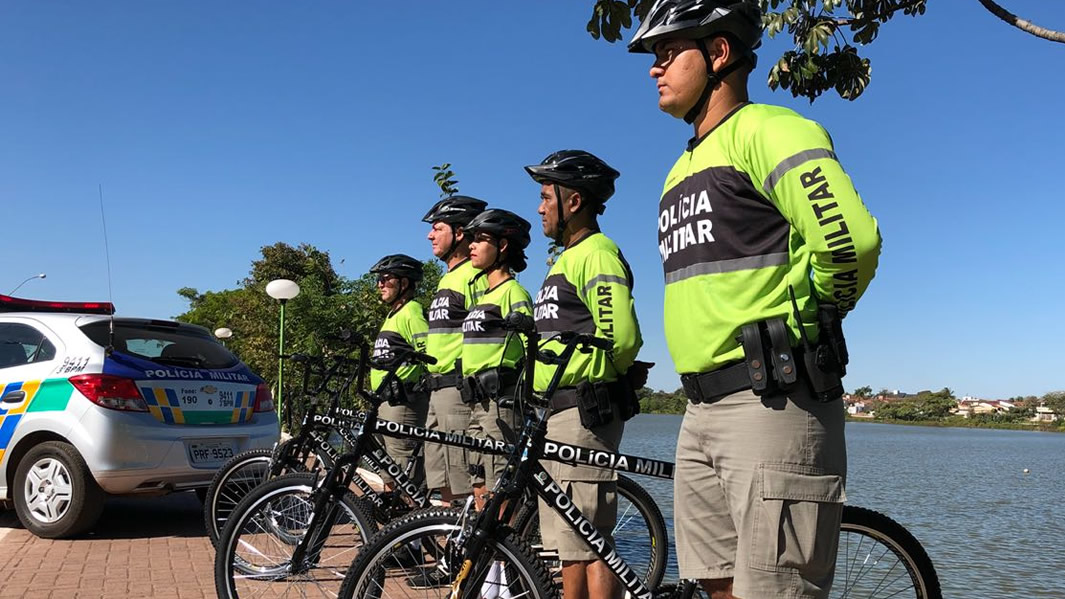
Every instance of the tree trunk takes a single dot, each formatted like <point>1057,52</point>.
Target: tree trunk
<point>1022,24</point>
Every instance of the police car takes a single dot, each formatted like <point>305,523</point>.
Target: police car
<point>92,405</point>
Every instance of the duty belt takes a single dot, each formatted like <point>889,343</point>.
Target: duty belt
<point>708,387</point>
<point>436,382</point>
<point>563,399</point>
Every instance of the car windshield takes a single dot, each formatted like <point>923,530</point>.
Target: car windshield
<point>166,343</point>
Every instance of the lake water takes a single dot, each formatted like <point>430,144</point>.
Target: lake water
<point>990,529</point>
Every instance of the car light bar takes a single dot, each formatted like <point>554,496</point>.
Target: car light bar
<point>18,304</point>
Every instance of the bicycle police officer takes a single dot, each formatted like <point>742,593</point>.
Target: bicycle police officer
<point>404,329</point>
<point>447,468</point>
<point>587,290</point>
<point>765,245</point>
<point>491,356</point>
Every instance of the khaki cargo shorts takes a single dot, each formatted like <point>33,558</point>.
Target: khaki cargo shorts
<point>446,466</point>
<point>758,493</point>
<point>593,490</point>
<point>401,450</point>
<point>485,423</point>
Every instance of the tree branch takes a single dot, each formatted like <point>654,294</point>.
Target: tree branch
<point>1022,24</point>
<point>880,16</point>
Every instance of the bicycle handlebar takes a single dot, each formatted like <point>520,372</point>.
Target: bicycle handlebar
<point>602,343</point>
<point>400,357</point>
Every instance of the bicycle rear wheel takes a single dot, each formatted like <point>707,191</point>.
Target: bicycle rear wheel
<point>877,559</point>
<point>396,562</point>
<point>254,555</point>
<point>640,535</point>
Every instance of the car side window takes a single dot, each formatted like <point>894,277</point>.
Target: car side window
<point>22,344</point>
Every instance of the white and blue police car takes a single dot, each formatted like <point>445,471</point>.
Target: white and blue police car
<point>92,404</point>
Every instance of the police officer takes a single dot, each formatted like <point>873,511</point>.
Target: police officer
<point>587,290</point>
<point>447,468</point>
<point>404,329</point>
<point>491,356</point>
<point>765,244</point>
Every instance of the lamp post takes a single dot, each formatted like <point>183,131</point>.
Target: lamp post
<point>40,276</point>
<point>281,290</point>
<point>223,334</point>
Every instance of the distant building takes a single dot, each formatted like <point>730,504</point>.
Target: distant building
<point>1044,414</point>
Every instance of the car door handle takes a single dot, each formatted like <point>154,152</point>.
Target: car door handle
<point>14,397</point>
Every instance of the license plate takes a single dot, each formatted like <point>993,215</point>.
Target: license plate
<point>210,453</point>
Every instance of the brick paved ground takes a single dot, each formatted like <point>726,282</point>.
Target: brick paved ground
<point>150,547</point>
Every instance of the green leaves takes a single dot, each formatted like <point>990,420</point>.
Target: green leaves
<point>609,17</point>
<point>822,57</point>
<point>444,177</point>
<point>327,303</point>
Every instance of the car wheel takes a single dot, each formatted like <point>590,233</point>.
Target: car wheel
<point>55,494</point>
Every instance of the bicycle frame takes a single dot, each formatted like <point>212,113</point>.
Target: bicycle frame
<point>552,450</point>
<point>524,468</point>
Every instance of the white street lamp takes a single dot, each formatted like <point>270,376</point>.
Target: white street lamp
<point>223,333</point>
<point>281,290</point>
<point>40,276</point>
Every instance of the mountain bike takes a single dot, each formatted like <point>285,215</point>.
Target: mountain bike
<point>280,538</point>
<point>483,556</point>
<point>311,450</point>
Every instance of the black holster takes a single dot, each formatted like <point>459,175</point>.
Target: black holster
<point>394,391</point>
<point>599,403</point>
<point>594,405</point>
<point>487,384</point>
<point>774,366</point>
<point>826,363</point>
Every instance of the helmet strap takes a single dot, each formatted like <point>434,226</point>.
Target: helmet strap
<point>561,219</point>
<point>452,247</point>
<point>712,79</point>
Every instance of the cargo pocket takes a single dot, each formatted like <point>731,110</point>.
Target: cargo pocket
<point>795,522</point>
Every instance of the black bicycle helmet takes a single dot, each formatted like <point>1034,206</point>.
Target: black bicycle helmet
<point>578,170</point>
<point>400,265</point>
<point>700,20</point>
<point>455,210</point>
<point>504,224</point>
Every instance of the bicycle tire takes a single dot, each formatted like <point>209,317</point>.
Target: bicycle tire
<point>895,539</point>
<point>872,537</point>
<point>230,484</point>
<point>512,559</point>
<point>631,542</point>
<point>239,475</point>
<point>253,556</point>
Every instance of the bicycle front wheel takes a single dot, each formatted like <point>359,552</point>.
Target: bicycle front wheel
<point>255,550</point>
<point>418,556</point>
<point>233,481</point>
<point>640,535</point>
<point>877,559</point>
<point>237,477</point>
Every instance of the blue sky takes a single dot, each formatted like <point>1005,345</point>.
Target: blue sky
<point>217,128</point>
